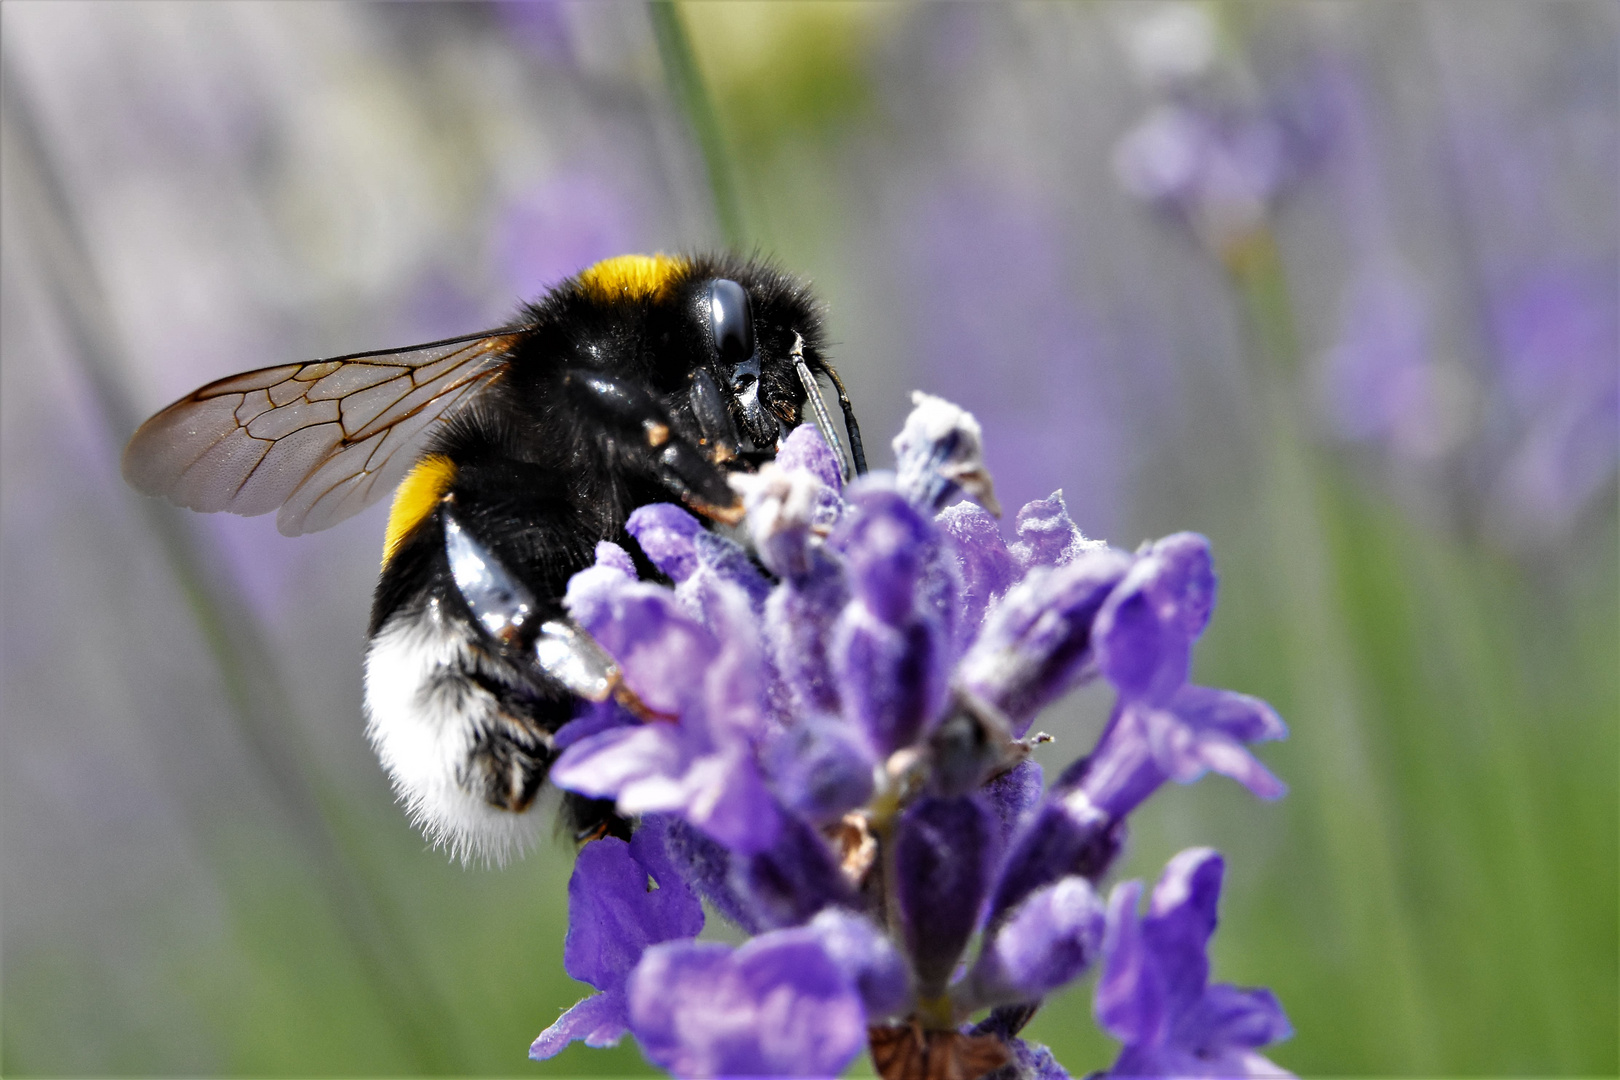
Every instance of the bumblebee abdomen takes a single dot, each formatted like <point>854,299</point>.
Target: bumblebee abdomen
<point>464,736</point>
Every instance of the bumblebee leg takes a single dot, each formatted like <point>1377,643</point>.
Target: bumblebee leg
<point>506,609</point>
<point>634,419</point>
<point>588,819</point>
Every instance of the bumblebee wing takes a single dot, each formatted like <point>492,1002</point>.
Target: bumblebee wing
<point>320,441</point>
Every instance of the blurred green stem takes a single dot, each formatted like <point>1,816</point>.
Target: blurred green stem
<point>685,81</point>
<point>1327,721</point>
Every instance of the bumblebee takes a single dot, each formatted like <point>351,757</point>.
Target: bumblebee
<point>512,453</point>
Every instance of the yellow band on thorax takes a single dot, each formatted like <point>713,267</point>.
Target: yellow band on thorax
<point>415,499</point>
<point>631,277</point>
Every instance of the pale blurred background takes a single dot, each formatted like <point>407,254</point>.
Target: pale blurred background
<point>1333,283</point>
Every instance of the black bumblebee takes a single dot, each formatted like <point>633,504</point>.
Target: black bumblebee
<point>642,379</point>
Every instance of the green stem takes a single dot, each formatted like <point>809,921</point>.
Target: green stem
<point>685,82</point>
<point>1328,721</point>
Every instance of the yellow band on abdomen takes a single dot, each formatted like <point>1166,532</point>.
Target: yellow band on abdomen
<point>415,499</point>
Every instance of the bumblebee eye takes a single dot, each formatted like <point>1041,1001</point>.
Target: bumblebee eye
<point>732,321</point>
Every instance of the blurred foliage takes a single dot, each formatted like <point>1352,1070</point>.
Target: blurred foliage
<point>1437,893</point>
<point>788,71</point>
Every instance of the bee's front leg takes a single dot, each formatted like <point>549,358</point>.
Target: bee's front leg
<point>634,420</point>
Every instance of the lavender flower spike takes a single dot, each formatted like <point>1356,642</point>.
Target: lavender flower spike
<point>832,757</point>
<point>1154,993</point>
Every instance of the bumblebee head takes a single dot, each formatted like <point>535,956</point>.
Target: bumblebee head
<point>730,346</point>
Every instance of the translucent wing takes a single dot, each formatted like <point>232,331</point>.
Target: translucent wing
<point>320,441</point>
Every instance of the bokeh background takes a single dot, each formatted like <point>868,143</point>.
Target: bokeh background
<point>1333,283</point>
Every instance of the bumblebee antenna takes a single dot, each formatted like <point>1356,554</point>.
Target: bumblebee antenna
<point>818,406</point>
<point>851,425</point>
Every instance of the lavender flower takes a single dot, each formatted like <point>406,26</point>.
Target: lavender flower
<point>835,758</point>
<point>1212,152</point>
<point>1218,171</point>
<point>1557,332</point>
<point>603,947</point>
<point>1154,993</point>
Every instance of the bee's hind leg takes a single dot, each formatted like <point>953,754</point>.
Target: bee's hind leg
<point>588,819</point>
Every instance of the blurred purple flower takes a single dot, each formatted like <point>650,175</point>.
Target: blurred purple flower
<point>575,218</point>
<point>994,288</point>
<point>540,26</point>
<point>1217,172</point>
<point>1381,382</point>
<point>1215,152</point>
<point>838,750</point>
<point>1557,332</point>
<point>1154,993</point>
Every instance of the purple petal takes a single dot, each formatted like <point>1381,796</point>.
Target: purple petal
<point>1047,536</point>
<point>822,1027</point>
<point>1013,795</point>
<point>804,448</point>
<point>614,557</point>
<point>1229,1016</point>
<point>613,915</point>
<point>789,510</point>
<point>667,534</point>
<point>650,846</point>
<point>820,767</point>
<point>1186,752</point>
<point>650,768</point>
<point>611,762</point>
<point>1145,629</point>
<point>1181,918</point>
<point>867,958</point>
<point>600,1020</point>
<point>592,718</point>
<point>593,591</point>
<point>942,864</point>
<point>985,566</point>
<point>1051,938</point>
<point>778,1006</point>
<point>1129,1001</point>
<point>671,993</point>
<point>705,864</point>
<point>735,685</point>
<point>1185,578</point>
<point>1244,718</point>
<point>723,558</point>
<point>799,619</point>
<point>885,542</point>
<point>1036,642</point>
<point>662,651</point>
<point>1122,771</point>
<point>1063,837</point>
<point>893,677</point>
<point>795,878</point>
<point>724,795</point>
<point>940,454</point>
